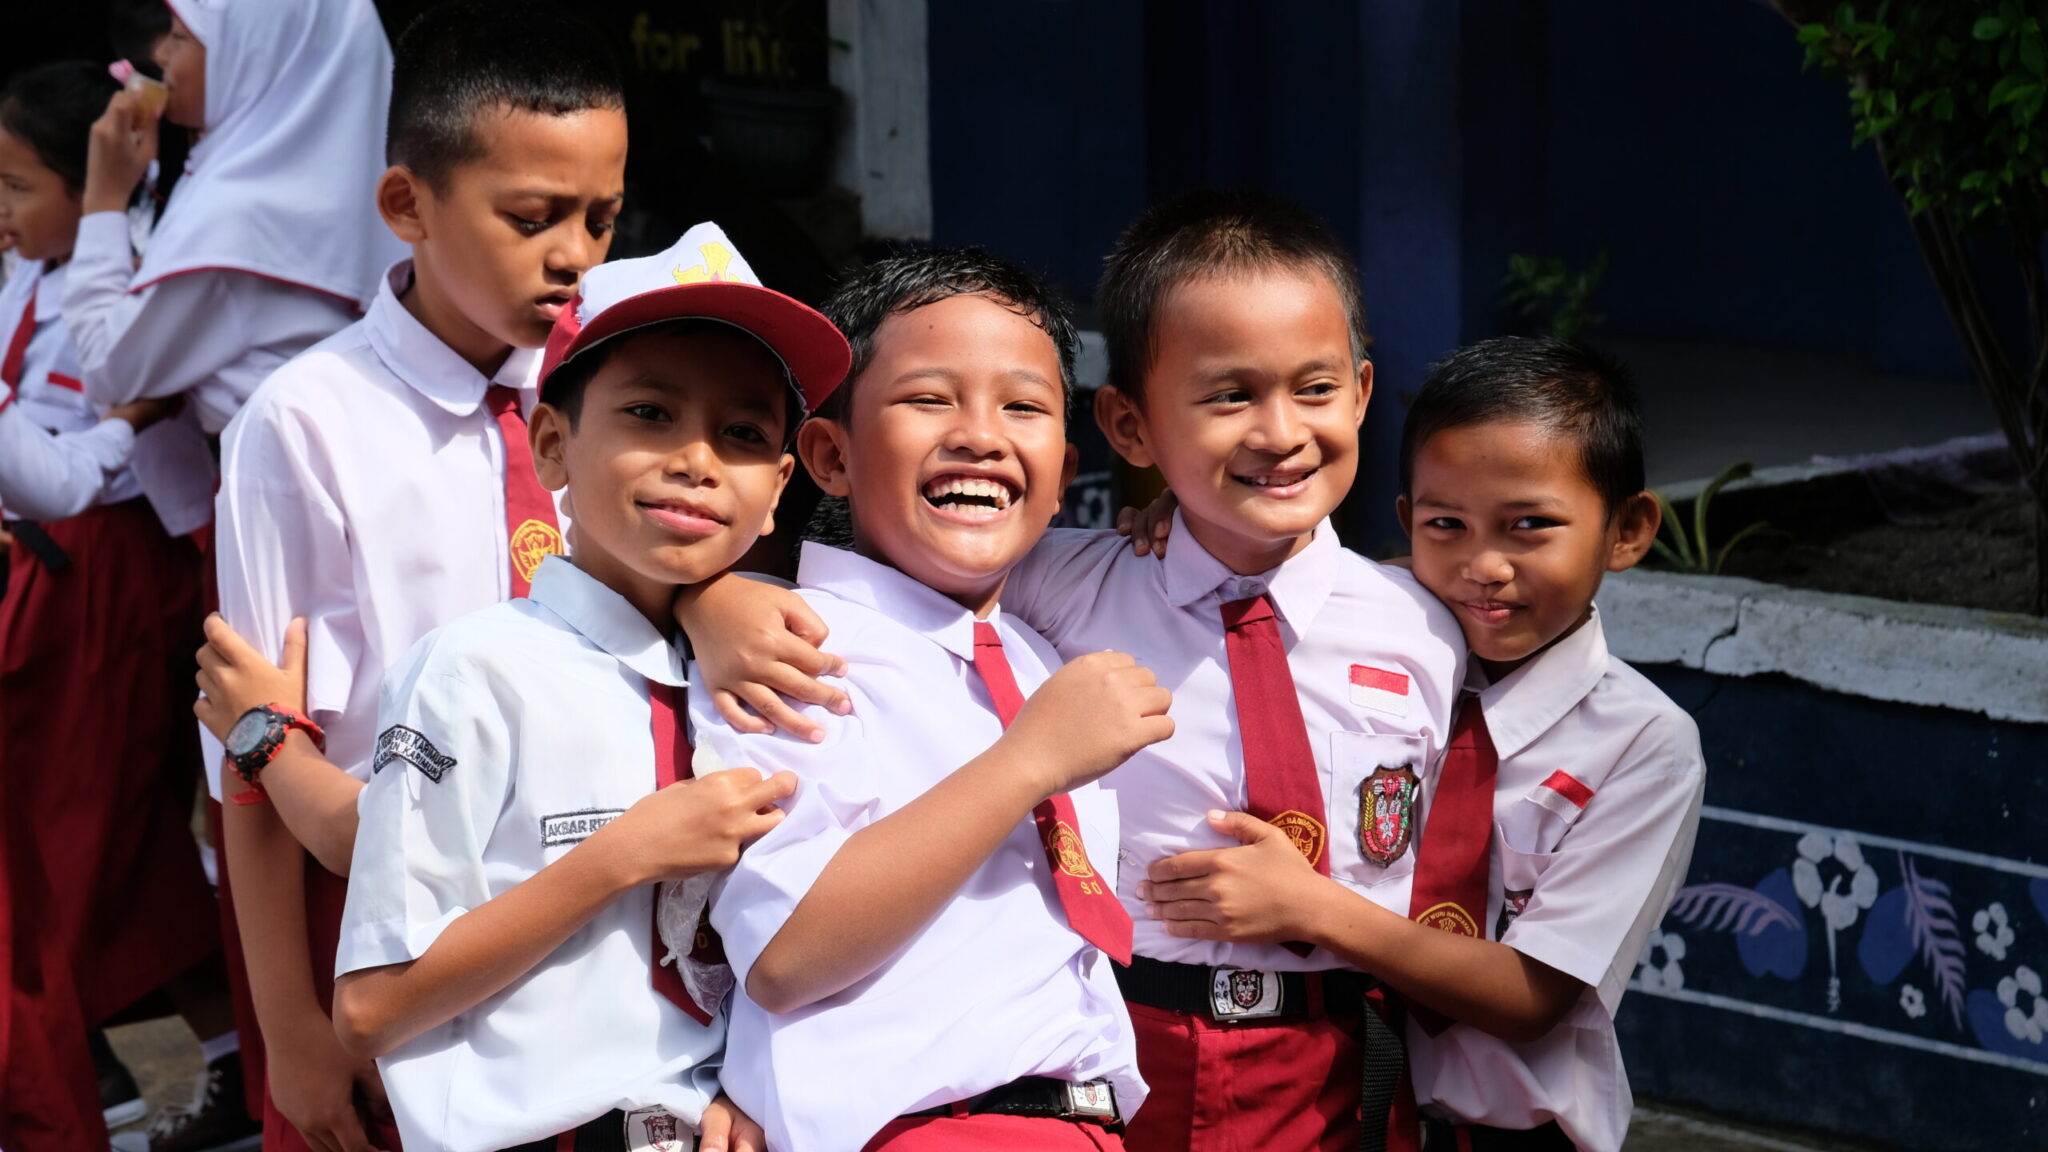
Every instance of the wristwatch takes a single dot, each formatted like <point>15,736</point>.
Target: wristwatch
<point>254,740</point>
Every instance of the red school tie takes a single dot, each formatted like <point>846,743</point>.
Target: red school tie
<point>1450,862</point>
<point>17,345</point>
<point>1092,909</point>
<point>531,530</point>
<point>672,762</point>
<point>1281,784</point>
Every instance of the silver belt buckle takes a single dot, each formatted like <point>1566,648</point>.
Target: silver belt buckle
<point>1244,993</point>
<point>1095,1099</point>
<point>657,1130</point>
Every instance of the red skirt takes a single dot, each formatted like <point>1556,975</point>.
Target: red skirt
<point>101,753</point>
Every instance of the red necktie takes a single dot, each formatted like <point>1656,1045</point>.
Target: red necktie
<point>1450,862</point>
<point>530,526</point>
<point>1092,909</point>
<point>17,346</point>
<point>672,757</point>
<point>1281,783</point>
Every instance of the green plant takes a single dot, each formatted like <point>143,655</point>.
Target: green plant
<point>1693,552</point>
<point>1951,96</point>
<point>1544,289</point>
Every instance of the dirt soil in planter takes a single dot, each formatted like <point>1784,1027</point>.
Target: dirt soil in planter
<point>1979,555</point>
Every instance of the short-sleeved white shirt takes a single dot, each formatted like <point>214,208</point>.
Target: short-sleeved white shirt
<point>997,986</point>
<point>363,487</point>
<point>1355,632</point>
<point>1596,805</point>
<point>510,736</point>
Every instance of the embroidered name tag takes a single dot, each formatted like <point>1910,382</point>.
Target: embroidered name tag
<point>412,746</point>
<point>1379,689</point>
<point>575,827</point>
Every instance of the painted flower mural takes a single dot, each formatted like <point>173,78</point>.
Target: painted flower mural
<point>1831,875</point>
<point>1994,930</point>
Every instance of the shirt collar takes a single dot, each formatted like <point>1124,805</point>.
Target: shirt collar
<point>604,618</point>
<point>1299,586</point>
<point>922,609</point>
<point>49,292</point>
<point>1532,698</point>
<point>426,363</point>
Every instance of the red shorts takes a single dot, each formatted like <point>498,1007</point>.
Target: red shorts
<point>992,1132</point>
<point>1279,1086</point>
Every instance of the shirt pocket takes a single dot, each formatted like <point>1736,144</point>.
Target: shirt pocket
<point>1096,809</point>
<point>1373,792</point>
<point>1537,823</point>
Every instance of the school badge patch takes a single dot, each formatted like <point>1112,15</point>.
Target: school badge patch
<point>1450,917</point>
<point>1511,905</point>
<point>533,543</point>
<point>1305,831</point>
<point>411,746</point>
<point>655,1130</point>
<point>1068,849</point>
<point>1386,813</point>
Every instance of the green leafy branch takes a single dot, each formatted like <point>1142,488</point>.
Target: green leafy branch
<point>1544,289</point>
<point>1693,552</point>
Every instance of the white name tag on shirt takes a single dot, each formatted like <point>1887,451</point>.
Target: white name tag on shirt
<point>657,1130</point>
<point>1380,689</point>
<point>575,827</point>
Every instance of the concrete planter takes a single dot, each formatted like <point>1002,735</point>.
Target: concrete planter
<point>1862,945</point>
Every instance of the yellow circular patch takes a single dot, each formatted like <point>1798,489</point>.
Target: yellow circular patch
<point>533,542</point>
<point>1069,851</point>
<point>1304,830</point>
<point>1450,917</point>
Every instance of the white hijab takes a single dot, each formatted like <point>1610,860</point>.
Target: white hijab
<point>282,183</point>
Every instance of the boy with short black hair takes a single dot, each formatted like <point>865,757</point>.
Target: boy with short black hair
<point>939,904</point>
<point>500,952</point>
<point>381,484</point>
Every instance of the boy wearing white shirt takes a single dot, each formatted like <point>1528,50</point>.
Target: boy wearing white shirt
<point>499,953</point>
<point>1565,810</point>
<point>925,942</point>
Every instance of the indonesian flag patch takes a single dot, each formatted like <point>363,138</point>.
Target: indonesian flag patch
<point>1379,689</point>
<point>1562,794</point>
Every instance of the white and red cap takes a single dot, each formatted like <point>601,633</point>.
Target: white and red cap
<point>701,277</point>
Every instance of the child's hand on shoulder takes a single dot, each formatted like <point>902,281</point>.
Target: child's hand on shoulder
<point>697,825</point>
<point>1090,716</point>
<point>1262,893</point>
<point>234,677</point>
<point>1148,527</point>
<point>756,647</point>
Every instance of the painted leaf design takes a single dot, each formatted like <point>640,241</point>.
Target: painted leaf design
<point>1931,919</point>
<point>1730,908</point>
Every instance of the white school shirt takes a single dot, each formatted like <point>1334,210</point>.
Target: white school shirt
<point>363,487</point>
<point>1354,630</point>
<point>997,986</point>
<point>514,733</point>
<point>1595,808</point>
<point>212,335</point>
<point>58,457</point>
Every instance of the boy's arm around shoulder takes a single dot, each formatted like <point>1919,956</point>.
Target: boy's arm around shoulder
<point>425,939</point>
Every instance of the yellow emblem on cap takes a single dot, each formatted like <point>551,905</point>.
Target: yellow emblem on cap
<point>1450,917</point>
<point>1069,851</point>
<point>717,257</point>
<point>533,542</point>
<point>1304,830</point>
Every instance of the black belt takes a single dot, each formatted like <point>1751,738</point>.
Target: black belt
<point>607,1133</point>
<point>39,544</point>
<point>1090,1103</point>
<point>1440,1135</point>
<point>1252,997</point>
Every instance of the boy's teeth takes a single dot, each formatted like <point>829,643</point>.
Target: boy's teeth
<point>994,493</point>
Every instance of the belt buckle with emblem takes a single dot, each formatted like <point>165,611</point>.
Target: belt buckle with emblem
<point>1094,1099</point>
<point>657,1130</point>
<point>1244,993</point>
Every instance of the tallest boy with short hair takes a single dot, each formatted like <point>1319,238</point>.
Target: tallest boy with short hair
<point>381,484</point>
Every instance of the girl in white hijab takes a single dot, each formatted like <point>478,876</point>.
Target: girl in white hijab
<point>271,240</point>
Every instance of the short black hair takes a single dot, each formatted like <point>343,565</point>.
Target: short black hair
<point>912,279</point>
<point>1204,234</point>
<point>463,59</point>
<point>51,108</point>
<point>1563,386</point>
<point>564,387</point>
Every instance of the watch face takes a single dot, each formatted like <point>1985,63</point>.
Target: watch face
<point>247,732</point>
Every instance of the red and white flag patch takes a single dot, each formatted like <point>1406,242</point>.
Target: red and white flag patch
<point>1379,689</point>
<point>1563,794</point>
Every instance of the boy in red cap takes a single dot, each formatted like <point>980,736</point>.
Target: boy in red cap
<point>525,798</point>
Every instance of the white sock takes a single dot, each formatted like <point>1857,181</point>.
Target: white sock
<point>226,1044</point>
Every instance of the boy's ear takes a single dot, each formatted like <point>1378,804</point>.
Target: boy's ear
<point>1069,468</point>
<point>1402,510</point>
<point>547,433</point>
<point>782,475</point>
<point>1365,396</point>
<point>399,192</point>
<point>1123,426</point>
<point>821,443</point>
<point>1636,524</point>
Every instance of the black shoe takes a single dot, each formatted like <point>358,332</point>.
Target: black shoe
<point>120,1100</point>
<point>217,1120</point>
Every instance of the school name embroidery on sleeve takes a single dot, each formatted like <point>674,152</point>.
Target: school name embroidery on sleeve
<point>412,746</point>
